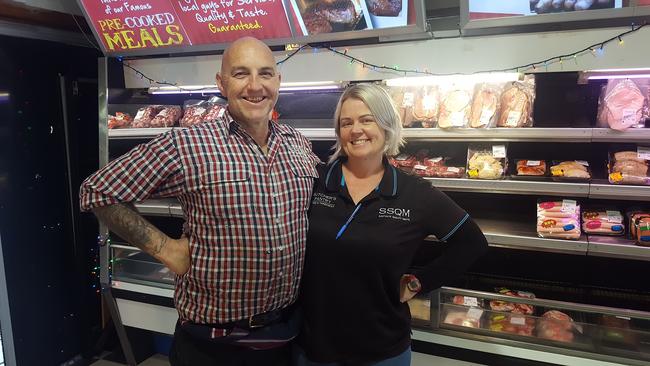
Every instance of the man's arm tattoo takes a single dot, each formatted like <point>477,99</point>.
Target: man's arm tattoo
<point>125,221</point>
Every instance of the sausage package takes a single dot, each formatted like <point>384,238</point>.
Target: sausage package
<point>623,103</point>
<point>558,219</point>
<point>485,161</point>
<point>485,105</point>
<point>603,222</point>
<point>571,170</point>
<point>639,227</point>
<point>630,167</point>
<point>516,104</point>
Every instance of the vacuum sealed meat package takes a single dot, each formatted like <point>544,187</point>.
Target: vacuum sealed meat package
<point>512,307</point>
<point>603,222</point>
<point>623,103</point>
<point>167,117</point>
<point>426,106</point>
<point>215,108</point>
<point>630,167</point>
<point>639,227</point>
<point>556,326</point>
<point>558,219</point>
<point>516,104</point>
<point>571,170</point>
<point>194,110</point>
<point>144,116</point>
<point>455,108</point>
<point>531,167</point>
<point>512,323</point>
<point>119,120</point>
<point>486,161</point>
<point>485,104</point>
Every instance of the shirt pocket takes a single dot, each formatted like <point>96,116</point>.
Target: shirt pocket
<point>224,190</point>
<point>304,175</point>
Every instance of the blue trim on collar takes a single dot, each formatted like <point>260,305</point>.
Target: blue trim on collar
<point>342,180</point>
<point>329,172</point>
<point>394,180</point>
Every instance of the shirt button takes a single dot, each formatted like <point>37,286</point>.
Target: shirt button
<point>277,220</point>
<point>268,251</point>
<point>281,274</point>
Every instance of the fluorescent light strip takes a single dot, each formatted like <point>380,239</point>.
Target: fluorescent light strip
<point>617,76</point>
<point>291,86</point>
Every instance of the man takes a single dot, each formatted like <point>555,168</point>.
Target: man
<point>244,183</point>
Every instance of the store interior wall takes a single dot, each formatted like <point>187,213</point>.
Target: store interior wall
<point>452,55</point>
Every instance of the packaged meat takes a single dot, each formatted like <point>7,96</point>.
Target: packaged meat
<point>404,99</point>
<point>454,109</point>
<point>512,307</point>
<point>215,108</point>
<point>406,160</point>
<point>420,308</point>
<point>558,219</point>
<point>512,323</point>
<point>167,117</point>
<point>617,329</point>
<point>423,170</point>
<point>119,120</point>
<point>144,116</point>
<point>467,301</point>
<point>516,104</point>
<point>623,104</point>
<point>449,172</point>
<point>556,326</point>
<point>437,161</point>
<point>572,170</point>
<point>484,106</point>
<point>640,227</point>
<point>463,319</point>
<point>486,161</point>
<point>628,167</point>
<point>531,167</point>
<point>194,110</point>
<point>603,222</point>
<point>427,101</point>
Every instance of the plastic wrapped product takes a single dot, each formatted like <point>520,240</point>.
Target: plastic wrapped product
<point>167,117</point>
<point>425,109</point>
<point>420,308</point>
<point>531,167</point>
<point>404,99</point>
<point>462,318</point>
<point>486,161</point>
<point>516,104</point>
<point>467,301</point>
<point>512,307</point>
<point>514,324</point>
<point>485,104</point>
<point>449,172</point>
<point>558,219</point>
<point>194,110</point>
<point>556,326</point>
<point>640,227</point>
<point>571,170</point>
<point>628,167</point>
<point>215,108</point>
<point>144,116</point>
<point>423,170</point>
<point>623,104</point>
<point>608,222</point>
<point>454,109</point>
<point>617,329</point>
<point>119,120</point>
<point>406,160</point>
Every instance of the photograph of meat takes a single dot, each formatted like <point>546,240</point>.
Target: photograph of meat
<point>387,8</point>
<point>327,16</point>
<point>552,6</point>
<point>388,13</point>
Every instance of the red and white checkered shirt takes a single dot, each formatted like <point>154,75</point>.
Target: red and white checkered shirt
<point>246,212</point>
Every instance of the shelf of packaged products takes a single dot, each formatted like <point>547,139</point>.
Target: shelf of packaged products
<point>616,247</point>
<point>500,134</point>
<point>632,135</point>
<point>602,189</point>
<point>511,186</point>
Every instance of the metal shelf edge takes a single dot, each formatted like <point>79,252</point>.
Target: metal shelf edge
<point>511,186</point>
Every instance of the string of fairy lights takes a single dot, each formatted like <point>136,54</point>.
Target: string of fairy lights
<point>596,50</point>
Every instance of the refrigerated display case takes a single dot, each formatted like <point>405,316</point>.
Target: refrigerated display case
<point>556,269</point>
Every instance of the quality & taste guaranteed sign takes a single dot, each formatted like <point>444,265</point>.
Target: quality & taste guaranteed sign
<point>149,24</point>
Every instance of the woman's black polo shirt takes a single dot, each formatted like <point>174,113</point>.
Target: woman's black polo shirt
<point>350,288</point>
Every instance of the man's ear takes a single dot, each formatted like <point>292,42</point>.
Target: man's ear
<point>222,90</point>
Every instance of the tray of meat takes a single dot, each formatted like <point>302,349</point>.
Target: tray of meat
<point>603,222</point>
<point>144,116</point>
<point>119,120</point>
<point>449,172</point>
<point>571,171</point>
<point>512,323</point>
<point>486,161</point>
<point>512,307</point>
<point>406,161</point>
<point>527,169</point>
<point>623,104</point>
<point>639,227</point>
<point>558,219</point>
<point>516,104</point>
<point>556,326</point>
<point>630,167</point>
<point>463,318</point>
<point>485,105</point>
<point>167,117</point>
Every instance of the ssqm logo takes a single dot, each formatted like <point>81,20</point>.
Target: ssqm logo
<point>395,213</point>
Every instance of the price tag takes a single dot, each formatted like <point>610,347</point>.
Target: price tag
<point>429,102</point>
<point>533,162</point>
<point>513,118</point>
<point>139,114</point>
<point>624,317</point>
<point>582,162</point>
<point>435,160</point>
<point>518,320</point>
<point>474,313</point>
<point>427,303</point>
<point>614,216</point>
<point>499,151</point>
<point>629,117</point>
<point>401,157</point>
<point>470,301</point>
<point>486,115</point>
<point>408,100</point>
<point>199,111</point>
<point>164,270</point>
<point>420,167</point>
<point>453,169</point>
<point>643,152</point>
<point>569,205</point>
<point>457,119</point>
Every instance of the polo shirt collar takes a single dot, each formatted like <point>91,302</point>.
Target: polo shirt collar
<point>334,177</point>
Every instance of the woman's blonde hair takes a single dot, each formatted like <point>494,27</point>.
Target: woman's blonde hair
<point>380,104</point>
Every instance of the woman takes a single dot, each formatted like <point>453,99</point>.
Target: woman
<point>367,221</point>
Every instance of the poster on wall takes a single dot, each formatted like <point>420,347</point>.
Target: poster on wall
<point>151,26</point>
<point>490,9</point>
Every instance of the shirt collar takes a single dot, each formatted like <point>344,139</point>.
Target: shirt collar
<point>274,127</point>
<point>334,174</point>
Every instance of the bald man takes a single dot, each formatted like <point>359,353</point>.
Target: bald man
<point>244,183</point>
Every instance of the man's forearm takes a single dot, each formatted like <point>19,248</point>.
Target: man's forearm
<point>124,220</point>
